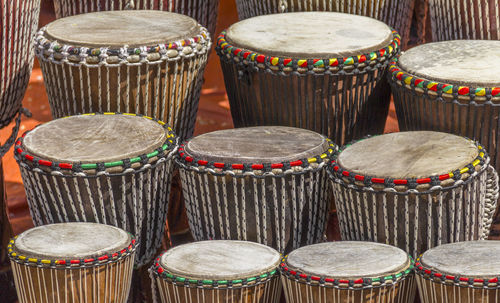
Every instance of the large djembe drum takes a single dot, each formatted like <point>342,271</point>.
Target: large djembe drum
<point>18,23</point>
<point>414,190</point>
<point>455,19</point>
<point>106,168</point>
<point>218,271</point>
<point>396,13</point>
<point>145,62</point>
<point>348,272</point>
<point>73,262</point>
<point>465,272</point>
<point>293,70</point>
<point>263,184</point>
<point>205,12</point>
<point>443,94</point>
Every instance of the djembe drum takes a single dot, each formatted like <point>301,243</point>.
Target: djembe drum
<point>329,81</point>
<point>396,13</point>
<point>261,184</point>
<point>455,19</point>
<point>465,272</point>
<point>106,168</point>
<point>218,271</point>
<point>73,262</point>
<point>443,94</point>
<point>18,23</point>
<point>205,12</point>
<point>414,190</point>
<point>348,272</point>
<point>146,62</point>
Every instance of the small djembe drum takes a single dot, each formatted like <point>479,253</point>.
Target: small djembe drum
<point>329,81</point>
<point>396,13</point>
<point>348,272</point>
<point>414,190</point>
<point>73,262</point>
<point>106,168</point>
<point>146,62</point>
<point>465,272</point>
<point>205,12</point>
<point>18,23</point>
<point>444,95</point>
<point>455,19</point>
<point>262,184</point>
<point>219,271</point>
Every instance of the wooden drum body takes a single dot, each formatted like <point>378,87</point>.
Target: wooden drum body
<point>218,272</point>
<point>457,20</point>
<point>414,190</point>
<point>261,184</point>
<point>348,272</point>
<point>205,12</point>
<point>146,62</point>
<point>73,262</point>
<point>18,22</point>
<point>465,272</point>
<point>106,168</point>
<point>331,82</point>
<point>395,13</point>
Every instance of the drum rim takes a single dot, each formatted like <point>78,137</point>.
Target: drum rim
<point>282,64</point>
<point>165,151</point>
<point>346,283</point>
<point>159,271</point>
<point>299,166</point>
<point>397,75</point>
<point>76,55</point>
<point>57,263</point>
<point>338,173</point>
<point>456,280</point>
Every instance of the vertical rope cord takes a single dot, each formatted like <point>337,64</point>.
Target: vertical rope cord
<point>38,284</point>
<point>466,221</point>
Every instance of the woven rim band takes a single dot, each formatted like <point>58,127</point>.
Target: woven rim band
<point>189,162</point>
<point>461,281</point>
<point>158,271</point>
<point>399,76</point>
<point>54,51</point>
<point>164,151</point>
<point>264,61</point>
<point>342,283</point>
<point>98,260</point>
<point>337,172</point>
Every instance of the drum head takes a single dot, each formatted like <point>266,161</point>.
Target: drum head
<point>71,241</point>
<point>116,29</point>
<point>471,259</point>
<point>263,144</point>
<point>95,138</point>
<point>220,260</point>
<point>309,35</point>
<point>406,155</point>
<point>348,259</point>
<point>462,62</point>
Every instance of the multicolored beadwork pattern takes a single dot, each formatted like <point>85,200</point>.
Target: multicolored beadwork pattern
<point>188,160</point>
<point>168,145</point>
<point>397,74</point>
<point>71,263</point>
<point>158,270</point>
<point>55,48</point>
<point>359,283</point>
<point>337,171</point>
<point>224,48</point>
<point>462,281</point>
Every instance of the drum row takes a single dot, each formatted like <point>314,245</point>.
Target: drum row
<point>413,190</point>
<point>89,262</point>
